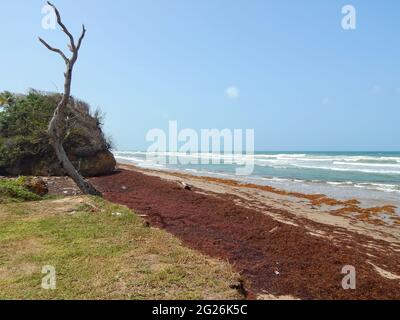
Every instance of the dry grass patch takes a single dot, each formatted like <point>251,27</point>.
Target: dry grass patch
<point>100,251</point>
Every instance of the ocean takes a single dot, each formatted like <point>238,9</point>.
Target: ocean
<point>371,177</point>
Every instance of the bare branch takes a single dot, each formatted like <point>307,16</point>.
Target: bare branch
<point>81,37</point>
<point>54,50</point>
<point>61,24</point>
<point>72,47</point>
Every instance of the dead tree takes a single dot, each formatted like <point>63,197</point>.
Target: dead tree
<point>57,123</point>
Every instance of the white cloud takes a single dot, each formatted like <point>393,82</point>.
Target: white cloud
<point>326,101</point>
<point>376,89</point>
<point>232,92</point>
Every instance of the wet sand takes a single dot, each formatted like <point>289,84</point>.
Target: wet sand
<point>283,244</point>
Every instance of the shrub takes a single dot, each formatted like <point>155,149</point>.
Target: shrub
<point>24,121</point>
<point>14,189</point>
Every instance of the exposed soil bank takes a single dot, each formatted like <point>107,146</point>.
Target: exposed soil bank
<point>303,259</point>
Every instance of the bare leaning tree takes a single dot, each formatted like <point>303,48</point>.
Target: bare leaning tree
<point>57,123</point>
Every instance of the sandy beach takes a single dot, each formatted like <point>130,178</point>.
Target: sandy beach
<point>285,245</point>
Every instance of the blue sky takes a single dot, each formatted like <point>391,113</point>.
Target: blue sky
<point>295,76</point>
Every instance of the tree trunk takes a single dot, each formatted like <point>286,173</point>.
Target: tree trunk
<point>57,123</point>
<point>83,185</point>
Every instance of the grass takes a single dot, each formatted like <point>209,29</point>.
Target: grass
<point>100,251</point>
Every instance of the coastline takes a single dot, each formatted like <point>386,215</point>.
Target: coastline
<point>283,244</point>
<point>372,178</point>
<point>300,203</point>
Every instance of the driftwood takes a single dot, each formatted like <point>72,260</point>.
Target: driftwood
<point>186,186</point>
<point>57,123</point>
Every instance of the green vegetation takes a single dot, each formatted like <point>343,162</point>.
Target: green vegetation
<point>14,191</point>
<point>24,142</point>
<point>23,123</point>
<point>100,251</point>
